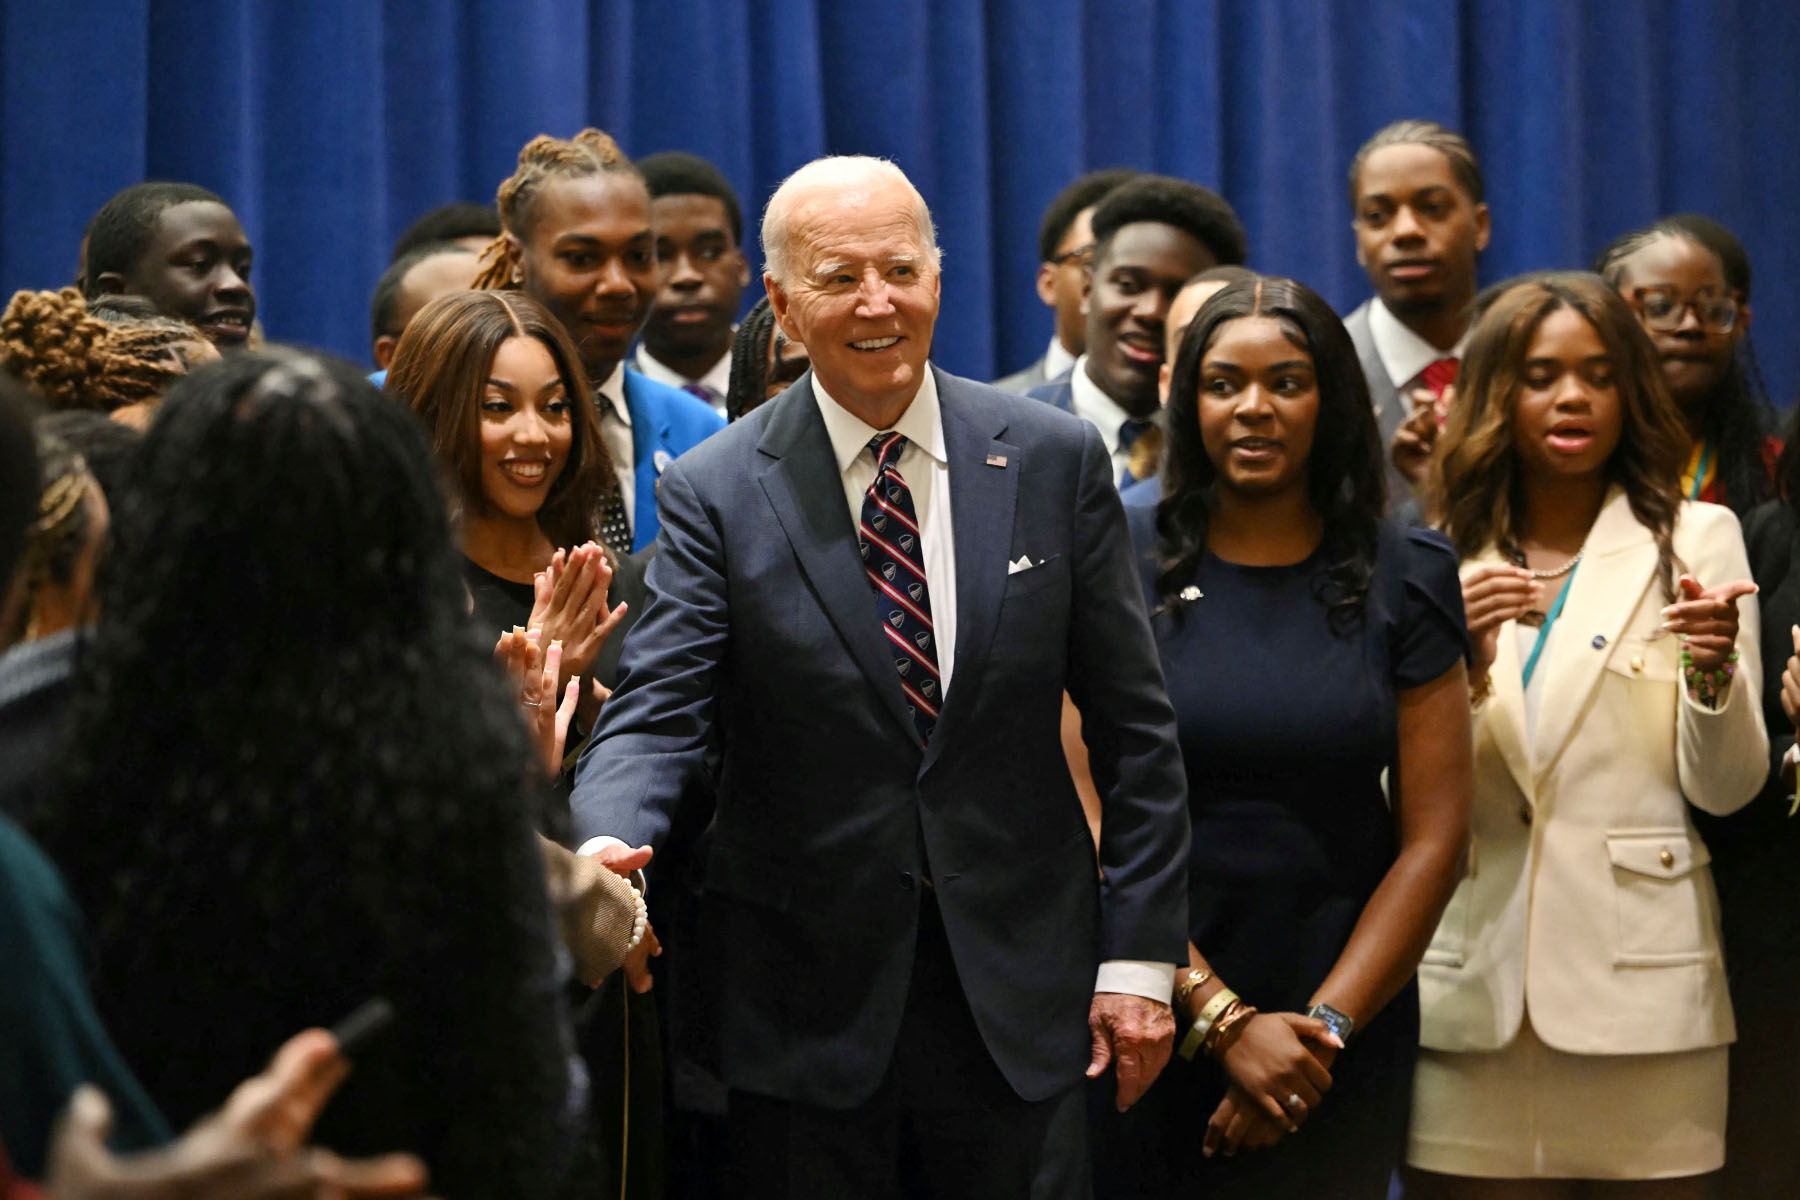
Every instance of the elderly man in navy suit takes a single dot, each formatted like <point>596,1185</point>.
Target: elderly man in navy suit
<point>869,598</point>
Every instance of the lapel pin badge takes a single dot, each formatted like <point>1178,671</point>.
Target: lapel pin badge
<point>996,460</point>
<point>661,460</point>
<point>1190,593</point>
<point>1599,641</point>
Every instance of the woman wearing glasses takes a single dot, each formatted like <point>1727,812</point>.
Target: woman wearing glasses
<point>1679,289</point>
<point>1574,1015</point>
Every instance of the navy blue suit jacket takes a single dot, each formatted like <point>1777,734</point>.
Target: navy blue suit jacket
<point>666,423</point>
<point>1057,393</point>
<point>760,646</point>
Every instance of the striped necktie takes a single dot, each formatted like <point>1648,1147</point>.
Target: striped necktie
<point>893,555</point>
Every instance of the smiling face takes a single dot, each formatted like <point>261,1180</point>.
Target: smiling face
<point>590,258</point>
<point>1417,232</point>
<point>704,274</point>
<point>1258,405</point>
<point>863,297</point>
<point>196,267</point>
<point>525,425</point>
<point>1567,415</point>
<point>1695,352</point>
<point>1135,280</point>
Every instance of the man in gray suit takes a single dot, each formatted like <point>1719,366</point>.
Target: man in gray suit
<point>1066,248</point>
<point>1420,222</point>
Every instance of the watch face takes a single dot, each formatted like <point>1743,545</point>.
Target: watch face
<point>1337,1021</point>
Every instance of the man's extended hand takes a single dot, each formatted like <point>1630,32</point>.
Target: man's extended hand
<point>1133,1034</point>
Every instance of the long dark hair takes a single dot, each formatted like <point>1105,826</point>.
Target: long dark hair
<point>1477,483</point>
<point>1736,416</point>
<point>441,369</point>
<point>1343,473</point>
<point>293,779</point>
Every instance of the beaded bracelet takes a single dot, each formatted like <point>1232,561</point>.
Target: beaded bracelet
<point>1707,686</point>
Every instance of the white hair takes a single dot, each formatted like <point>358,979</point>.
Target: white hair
<point>850,176</point>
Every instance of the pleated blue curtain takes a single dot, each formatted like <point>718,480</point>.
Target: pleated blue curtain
<point>330,124</point>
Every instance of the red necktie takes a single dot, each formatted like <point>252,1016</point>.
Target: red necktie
<point>893,555</point>
<point>1439,375</point>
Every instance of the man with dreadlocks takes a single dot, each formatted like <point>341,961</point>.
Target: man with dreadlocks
<point>576,237</point>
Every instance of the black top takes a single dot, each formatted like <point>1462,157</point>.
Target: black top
<point>499,604</point>
<point>1754,850</point>
<point>1286,728</point>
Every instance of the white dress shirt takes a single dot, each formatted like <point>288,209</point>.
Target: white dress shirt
<point>717,381</point>
<point>925,466</point>
<point>615,431</point>
<point>1404,354</point>
<point>1057,359</point>
<point>1102,412</point>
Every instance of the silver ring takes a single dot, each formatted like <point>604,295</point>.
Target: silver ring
<point>532,703</point>
<point>1294,1103</point>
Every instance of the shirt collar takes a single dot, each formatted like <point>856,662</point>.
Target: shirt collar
<point>612,394</point>
<point>718,380</point>
<point>1403,352</point>
<point>922,424</point>
<point>1095,406</point>
<point>1057,358</point>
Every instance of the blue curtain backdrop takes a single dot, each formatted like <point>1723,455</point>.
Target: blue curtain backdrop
<point>330,124</point>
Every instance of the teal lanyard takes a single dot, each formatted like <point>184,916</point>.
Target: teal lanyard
<point>1699,484</point>
<point>1544,631</point>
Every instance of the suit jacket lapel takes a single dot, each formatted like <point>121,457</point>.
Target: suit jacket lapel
<point>806,491</point>
<point>983,495</point>
<point>1617,565</point>
<point>1506,707</point>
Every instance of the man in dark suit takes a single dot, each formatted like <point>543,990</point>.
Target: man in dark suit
<point>1065,248</point>
<point>1420,222</point>
<point>1151,236</point>
<point>868,600</point>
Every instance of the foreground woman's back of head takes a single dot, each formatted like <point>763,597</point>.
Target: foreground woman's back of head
<point>294,783</point>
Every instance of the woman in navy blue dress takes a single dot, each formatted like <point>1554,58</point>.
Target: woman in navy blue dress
<point>1315,658</point>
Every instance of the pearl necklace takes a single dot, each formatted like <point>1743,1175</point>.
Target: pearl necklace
<point>1560,571</point>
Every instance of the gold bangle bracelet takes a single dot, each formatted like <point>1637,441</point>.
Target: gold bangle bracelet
<point>1188,984</point>
<point>1221,1000</point>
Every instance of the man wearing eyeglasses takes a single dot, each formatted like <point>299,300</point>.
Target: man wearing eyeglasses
<point>1420,223</point>
<point>1066,246</point>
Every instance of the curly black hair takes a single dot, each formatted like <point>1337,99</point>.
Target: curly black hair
<point>448,223</point>
<point>1197,210</point>
<point>1344,474</point>
<point>120,232</point>
<point>1084,193</point>
<point>678,173</point>
<point>293,782</point>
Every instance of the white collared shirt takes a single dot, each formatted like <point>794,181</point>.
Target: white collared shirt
<point>925,465</point>
<point>1102,412</point>
<point>1057,359</point>
<point>615,431</point>
<point>717,381</point>
<point>1404,354</point>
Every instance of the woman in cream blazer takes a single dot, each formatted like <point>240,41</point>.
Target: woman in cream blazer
<point>1574,1005</point>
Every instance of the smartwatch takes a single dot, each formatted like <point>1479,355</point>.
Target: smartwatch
<point>1334,1020</point>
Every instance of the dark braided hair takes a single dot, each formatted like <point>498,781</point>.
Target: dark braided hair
<point>1465,168</point>
<point>750,360</point>
<point>1344,473</point>
<point>77,360</point>
<point>1736,417</point>
<point>314,785</point>
<point>544,158</point>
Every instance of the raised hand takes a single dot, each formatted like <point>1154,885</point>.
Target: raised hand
<point>569,605</point>
<point>1417,436</point>
<point>1790,683</point>
<point>1706,619</point>
<point>531,676</point>
<point>1492,596</point>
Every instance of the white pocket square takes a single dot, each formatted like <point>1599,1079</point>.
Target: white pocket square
<point>1024,564</point>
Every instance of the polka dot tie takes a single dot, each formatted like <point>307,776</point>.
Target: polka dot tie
<point>893,556</point>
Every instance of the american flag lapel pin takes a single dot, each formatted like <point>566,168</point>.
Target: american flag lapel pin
<point>996,460</point>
